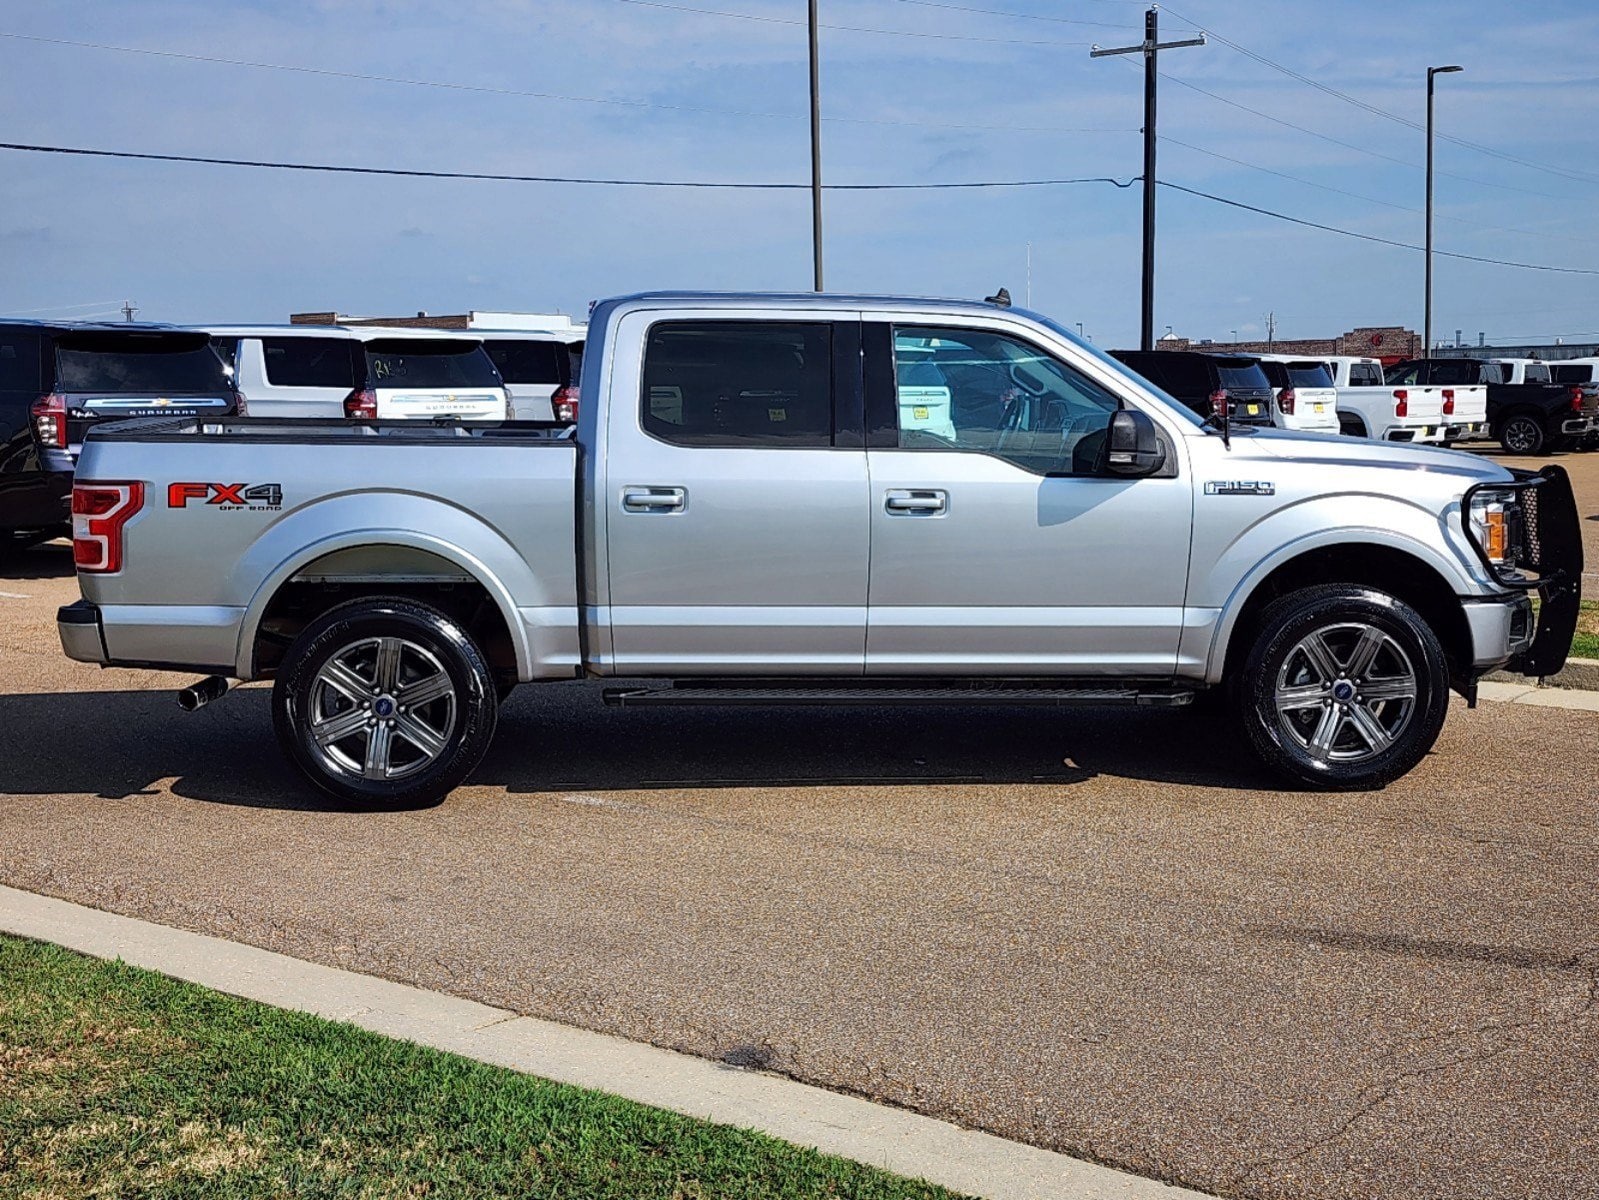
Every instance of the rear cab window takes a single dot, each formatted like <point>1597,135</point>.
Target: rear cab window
<point>739,383</point>
<point>1242,376</point>
<point>1571,372</point>
<point>423,364</point>
<point>1365,375</point>
<point>309,362</point>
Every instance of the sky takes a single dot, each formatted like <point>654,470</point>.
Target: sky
<point>913,92</point>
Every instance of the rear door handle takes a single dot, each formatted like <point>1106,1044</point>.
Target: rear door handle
<point>653,499</point>
<point>916,502</point>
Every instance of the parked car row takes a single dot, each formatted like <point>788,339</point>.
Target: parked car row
<point>57,380</point>
<point>1529,407</point>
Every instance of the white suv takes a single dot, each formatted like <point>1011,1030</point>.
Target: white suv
<point>1306,399</point>
<point>366,371</point>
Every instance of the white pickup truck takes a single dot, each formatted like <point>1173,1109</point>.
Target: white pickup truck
<point>819,500</point>
<point>1367,407</point>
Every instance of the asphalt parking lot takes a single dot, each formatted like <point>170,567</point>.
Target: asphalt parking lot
<point>1103,932</point>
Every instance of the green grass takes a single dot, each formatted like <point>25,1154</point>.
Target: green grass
<point>1586,642</point>
<point>118,1082</point>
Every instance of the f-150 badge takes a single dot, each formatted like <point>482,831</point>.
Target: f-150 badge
<point>1240,487</point>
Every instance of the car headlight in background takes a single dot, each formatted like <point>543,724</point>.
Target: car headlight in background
<point>1496,524</point>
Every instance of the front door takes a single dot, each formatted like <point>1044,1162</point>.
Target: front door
<point>999,546</point>
<point>735,497</point>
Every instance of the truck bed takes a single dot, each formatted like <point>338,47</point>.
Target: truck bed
<point>233,510</point>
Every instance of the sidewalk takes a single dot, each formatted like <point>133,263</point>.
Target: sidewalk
<point>885,1137</point>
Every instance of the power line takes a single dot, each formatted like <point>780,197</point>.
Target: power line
<point>992,12</point>
<point>1194,87</point>
<point>24,312</point>
<point>488,90</point>
<point>1563,172</point>
<point>1369,237</point>
<point>917,33</point>
<point>732,185</point>
<point>707,184</point>
<point>1409,208</point>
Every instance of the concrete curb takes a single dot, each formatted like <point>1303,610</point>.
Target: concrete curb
<point>1579,673</point>
<point>891,1138</point>
<point>1524,692</point>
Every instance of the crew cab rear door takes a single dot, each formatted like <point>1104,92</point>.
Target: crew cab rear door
<point>733,496</point>
<point>998,545</point>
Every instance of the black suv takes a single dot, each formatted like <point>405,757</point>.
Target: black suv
<point>57,381</point>
<point>1205,382</point>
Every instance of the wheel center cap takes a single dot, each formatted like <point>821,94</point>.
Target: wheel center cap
<point>1343,691</point>
<point>384,706</point>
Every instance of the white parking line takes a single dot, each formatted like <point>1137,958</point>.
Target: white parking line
<point>16,595</point>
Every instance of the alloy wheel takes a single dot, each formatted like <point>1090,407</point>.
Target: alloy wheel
<point>1346,692</point>
<point>381,708</point>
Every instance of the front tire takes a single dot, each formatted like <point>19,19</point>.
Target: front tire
<point>384,702</point>
<point>1345,688</point>
<point>1522,435</point>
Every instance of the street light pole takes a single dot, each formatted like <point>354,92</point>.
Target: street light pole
<point>816,151</point>
<point>1426,324</point>
<point>1149,48</point>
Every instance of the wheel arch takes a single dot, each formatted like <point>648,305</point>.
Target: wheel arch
<point>1390,565</point>
<point>374,562</point>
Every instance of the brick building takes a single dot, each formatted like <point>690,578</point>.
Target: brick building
<point>1387,342</point>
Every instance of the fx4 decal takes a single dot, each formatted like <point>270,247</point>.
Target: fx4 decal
<point>228,496</point>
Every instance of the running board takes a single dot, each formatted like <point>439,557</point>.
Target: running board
<point>1153,696</point>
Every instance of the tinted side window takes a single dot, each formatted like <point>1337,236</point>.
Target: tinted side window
<point>739,383</point>
<point>1536,373</point>
<point>309,362</point>
<point>1571,372</point>
<point>1188,377</point>
<point>19,361</point>
<point>528,362</point>
<point>968,389</point>
<point>227,349</point>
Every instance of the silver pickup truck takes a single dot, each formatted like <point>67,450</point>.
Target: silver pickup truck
<point>819,500</point>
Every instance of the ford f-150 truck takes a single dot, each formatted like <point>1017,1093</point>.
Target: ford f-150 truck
<point>819,500</point>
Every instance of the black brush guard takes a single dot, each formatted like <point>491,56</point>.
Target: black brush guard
<point>1548,562</point>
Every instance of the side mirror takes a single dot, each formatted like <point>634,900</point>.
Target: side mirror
<point>1132,446</point>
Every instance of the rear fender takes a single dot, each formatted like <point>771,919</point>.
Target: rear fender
<point>345,523</point>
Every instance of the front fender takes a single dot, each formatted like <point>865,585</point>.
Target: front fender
<point>1237,569</point>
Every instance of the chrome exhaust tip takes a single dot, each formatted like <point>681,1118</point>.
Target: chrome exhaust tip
<point>197,695</point>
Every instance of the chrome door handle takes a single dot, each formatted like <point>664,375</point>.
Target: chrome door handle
<point>653,499</point>
<point>919,502</point>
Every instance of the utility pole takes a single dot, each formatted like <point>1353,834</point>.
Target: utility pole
<point>816,150</point>
<point>128,310</point>
<point>1426,322</point>
<point>1271,331</point>
<point>1149,48</point>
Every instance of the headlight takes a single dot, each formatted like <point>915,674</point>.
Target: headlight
<point>1496,524</point>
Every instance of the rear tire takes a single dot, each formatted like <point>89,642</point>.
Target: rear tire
<point>384,702</point>
<point>1522,434</point>
<point>1345,688</point>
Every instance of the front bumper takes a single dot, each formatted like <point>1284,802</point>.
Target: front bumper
<point>1549,563</point>
<point>1501,628</point>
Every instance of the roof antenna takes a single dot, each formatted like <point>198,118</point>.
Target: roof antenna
<point>1000,299</point>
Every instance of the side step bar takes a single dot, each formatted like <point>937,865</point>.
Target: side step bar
<point>1050,695</point>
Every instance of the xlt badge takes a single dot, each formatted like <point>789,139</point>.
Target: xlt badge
<point>1240,487</point>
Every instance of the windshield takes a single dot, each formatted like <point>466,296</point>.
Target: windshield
<point>139,364</point>
<point>1310,375</point>
<point>1242,376</point>
<point>1174,407</point>
<point>401,363</point>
